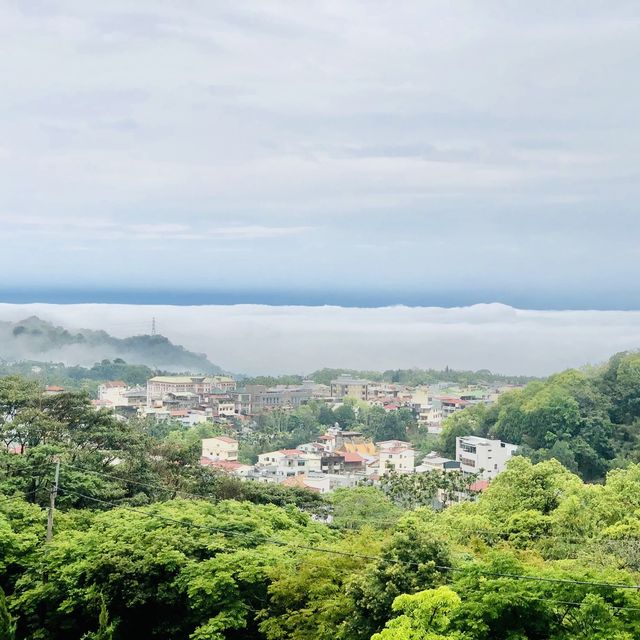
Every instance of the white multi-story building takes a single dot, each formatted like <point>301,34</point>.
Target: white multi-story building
<point>112,393</point>
<point>220,448</point>
<point>289,462</point>
<point>396,455</point>
<point>344,386</point>
<point>160,386</point>
<point>483,456</point>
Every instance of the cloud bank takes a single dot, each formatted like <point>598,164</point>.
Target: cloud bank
<point>269,339</point>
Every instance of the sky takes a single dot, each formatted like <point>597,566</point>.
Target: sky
<point>346,152</point>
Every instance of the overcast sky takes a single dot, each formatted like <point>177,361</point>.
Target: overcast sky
<point>460,151</point>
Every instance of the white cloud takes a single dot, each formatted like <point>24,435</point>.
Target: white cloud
<point>269,339</point>
<point>111,229</point>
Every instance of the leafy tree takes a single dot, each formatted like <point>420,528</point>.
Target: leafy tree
<point>310,597</point>
<point>7,624</point>
<point>345,415</point>
<point>412,560</point>
<point>363,506</point>
<point>187,568</point>
<point>423,616</point>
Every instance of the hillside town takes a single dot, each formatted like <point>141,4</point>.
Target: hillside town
<point>338,458</point>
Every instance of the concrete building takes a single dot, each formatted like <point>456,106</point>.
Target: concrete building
<point>347,387</point>
<point>483,456</point>
<point>243,402</point>
<point>223,407</point>
<point>113,393</point>
<point>220,448</point>
<point>288,462</point>
<point>280,397</point>
<point>396,455</point>
<point>230,467</point>
<point>451,405</point>
<point>434,462</point>
<point>201,386</point>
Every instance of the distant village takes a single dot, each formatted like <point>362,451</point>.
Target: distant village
<point>338,458</point>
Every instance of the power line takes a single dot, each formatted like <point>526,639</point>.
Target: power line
<point>282,543</point>
<point>579,604</point>
<point>569,540</point>
<point>141,484</point>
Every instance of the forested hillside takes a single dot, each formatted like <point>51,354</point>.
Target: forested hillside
<point>76,378</point>
<point>149,544</point>
<point>587,419</point>
<point>37,339</point>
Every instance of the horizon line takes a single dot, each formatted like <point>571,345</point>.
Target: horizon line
<point>309,298</point>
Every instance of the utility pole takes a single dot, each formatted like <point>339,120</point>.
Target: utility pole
<point>52,500</point>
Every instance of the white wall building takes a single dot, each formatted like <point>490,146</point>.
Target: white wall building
<point>396,455</point>
<point>220,448</point>
<point>483,456</point>
<point>112,393</point>
<point>289,462</point>
<point>433,462</point>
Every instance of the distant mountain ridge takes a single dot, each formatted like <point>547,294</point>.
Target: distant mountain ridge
<point>37,339</point>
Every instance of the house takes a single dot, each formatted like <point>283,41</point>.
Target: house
<point>483,456</point>
<point>223,406</point>
<point>220,448</point>
<point>451,405</point>
<point>188,417</point>
<point>433,462</point>
<point>53,390</point>
<point>243,403</point>
<point>135,397</point>
<point>302,482</point>
<point>112,393</point>
<point>430,416</point>
<point>396,455</point>
<point>287,462</point>
<point>344,386</point>
<point>354,462</point>
<point>230,467</point>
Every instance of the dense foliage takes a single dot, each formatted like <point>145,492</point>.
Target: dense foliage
<point>33,337</point>
<point>414,377</point>
<point>79,378</point>
<point>588,420</point>
<point>148,544</point>
<point>540,555</point>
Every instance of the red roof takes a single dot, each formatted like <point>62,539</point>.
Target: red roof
<point>53,387</point>
<point>180,413</point>
<point>223,465</point>
<point>352,457</point>
<point>225,439</point>
<point>290,452</point>
<point>299,481</point>
<point>479,485</point>
<point>114,383</point>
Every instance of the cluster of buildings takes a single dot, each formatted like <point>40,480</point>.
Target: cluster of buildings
<point>194,399</point>
<point>346,458</point>
<point>336,459</point>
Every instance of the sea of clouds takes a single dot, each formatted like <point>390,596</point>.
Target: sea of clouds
<point>298,339</point>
